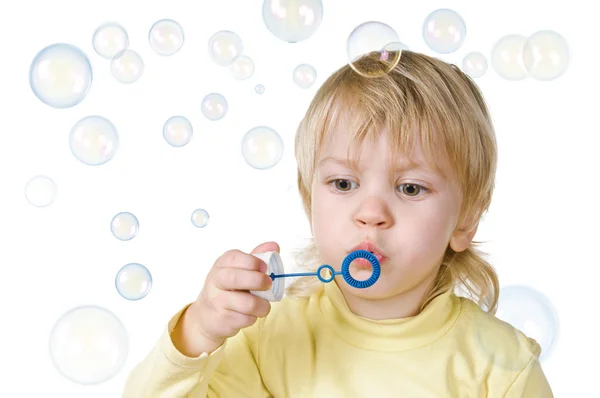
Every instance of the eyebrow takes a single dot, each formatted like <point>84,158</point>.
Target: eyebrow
<point>353,164</point>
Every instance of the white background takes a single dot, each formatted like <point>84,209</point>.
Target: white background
<point>541,230</point>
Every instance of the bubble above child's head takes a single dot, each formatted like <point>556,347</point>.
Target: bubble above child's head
<point>94,140</point>
<point>89,345</point>
<point>110,39</point>
<point>127,66</point>
<point>124,226</point>
<point>262,147</point>
<point>292,20</point>
<point>305,75</point>
<point>444,31</point>
<point>133,281</point>
<point>546,55</point>
<point>60,75</point>
<point>259,89</point>
<point>214,106</point>
<point>178,131</point>
<point>475,64</point>
<point>242,68</point>
<point>166,37</point>
<point>373,39</point>
<point>507,57</point>
<point>200,218</point>
<point>40,191</point>
<point>224,47</point>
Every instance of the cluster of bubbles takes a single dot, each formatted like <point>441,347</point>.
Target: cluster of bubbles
<point>89,344</point>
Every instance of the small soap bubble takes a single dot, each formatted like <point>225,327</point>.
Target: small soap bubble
<point>166,37</point>
<point>546,55</point>
<point>259,89</point>
<point>127,66</point>
<point>507,57</point>
<point>110,39</point>
<point>177,131</point>
<point>89,345</point>
<point>262,147</point>
<point>214,106</point>
<point>292,20</point>
<point>200,218</point>
<point>475,64</point>
<point>242,68</point>
<point>371,38</point>
<point>60,75</point>
<point>133,282</point>
<point>124,226</point>
<point>224,47</point>
<point>304,75</point>
<point>444,31</point>
<point>94,140</point>
<point>40,191</point>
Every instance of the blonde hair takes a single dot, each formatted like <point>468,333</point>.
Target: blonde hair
<point>424,98</point>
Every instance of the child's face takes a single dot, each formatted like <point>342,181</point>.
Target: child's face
<point>410,225</point>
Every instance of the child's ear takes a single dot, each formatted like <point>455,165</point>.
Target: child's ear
<point>462,238</point>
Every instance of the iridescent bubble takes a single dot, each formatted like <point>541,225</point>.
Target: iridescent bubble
<point>214,106</point>
<point>259,89</point>
<point>372,38</point>
<point>242,68</point>
<point>200,218</point>
<point>292,20</point>
<point>127,66</point>
<point>89,345</point>
<point>304,75</point>
<point>262,147</point>
<point>224,47</point>
<point>94,140</point>
<point>166,37</point>
<point>40,191</point>
<point>475,64</point>
<point>124,226</point>
<point>133,281</point>
<point>444,31</point>
<point>177,131</point>
<point>546,55</point>
<point>110,39</point>
<point>507,57</point>
<point>60,75</point>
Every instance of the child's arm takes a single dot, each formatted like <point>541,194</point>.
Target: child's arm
<point>229,371</point>
<point>531,382</point>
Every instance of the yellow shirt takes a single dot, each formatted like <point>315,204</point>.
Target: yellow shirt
<point>316,347</point>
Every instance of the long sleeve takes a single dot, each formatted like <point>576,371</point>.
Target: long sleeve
<point>229,371</point>
<point>531,382</point>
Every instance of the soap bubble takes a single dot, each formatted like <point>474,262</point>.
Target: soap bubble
<point>133,281</point>
<point>224,47</point>
<point>60,75</point>
<point>177,131</point>
<point>166,37</point>
<point>259,89</point>
<point>214,106</point>
<point>262,147</point>
<point>532,313</point>
<point>127,66</point>
<point>40,191</point>
<point>200,218</point>
<point>292,20</point>
<point>546,55</point>
<point>304,76</point>
<point>94,140</point>
<point>507,57</point>
<point>110,39</point>
<point>475,64</point>
<point>372,38</point>
<point>124,226</point>
<point>89,345</point>
<point>242,68</point>
<point>444,31</point>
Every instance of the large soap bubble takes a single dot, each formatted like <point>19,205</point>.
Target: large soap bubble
<point>292,20</point>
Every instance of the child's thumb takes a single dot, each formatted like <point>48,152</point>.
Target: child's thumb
<point>266,247</point>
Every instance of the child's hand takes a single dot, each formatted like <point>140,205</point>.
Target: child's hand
<point>225,305</point>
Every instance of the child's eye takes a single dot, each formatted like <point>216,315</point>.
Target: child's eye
<point>342,184</point>
<point>412,189</point>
